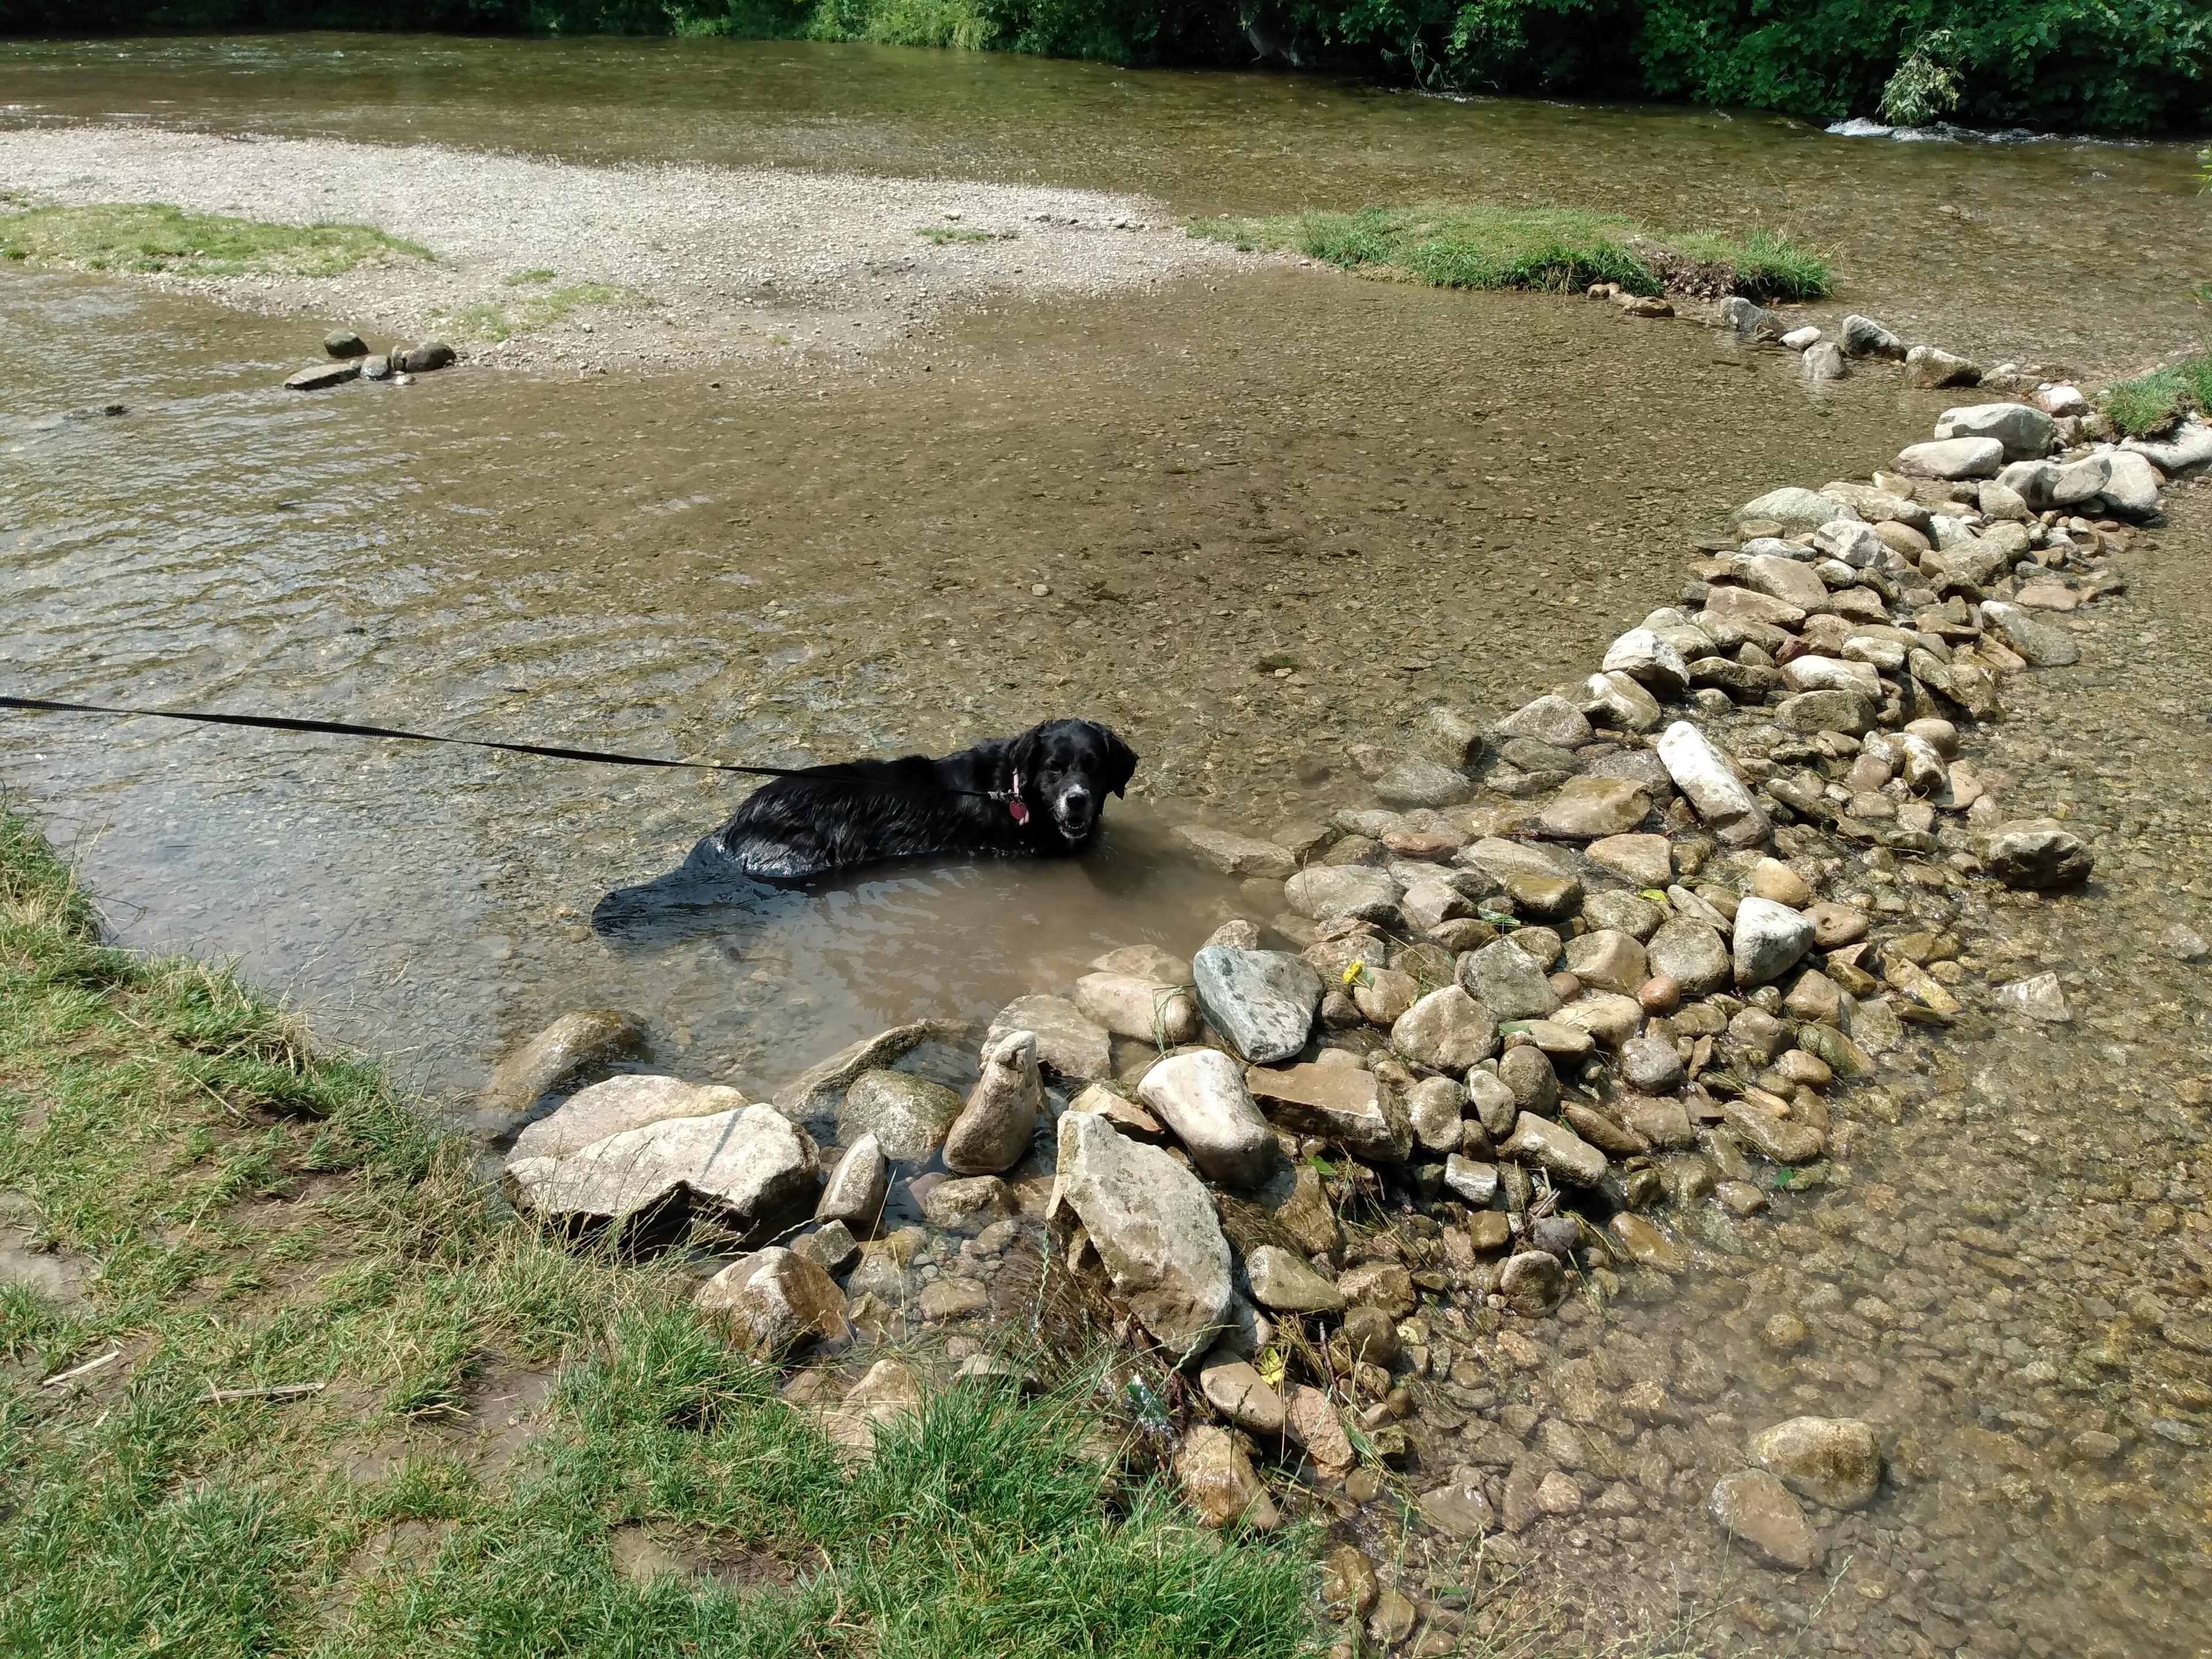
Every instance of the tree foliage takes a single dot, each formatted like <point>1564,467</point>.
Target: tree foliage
<point>2106,65</point>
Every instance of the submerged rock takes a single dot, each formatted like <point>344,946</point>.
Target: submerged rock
<point>2037,852</point>
<point>1756,1509</point>
<point>1833,1461</point>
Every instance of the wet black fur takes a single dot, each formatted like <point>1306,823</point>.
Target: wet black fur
<point>831,817</point>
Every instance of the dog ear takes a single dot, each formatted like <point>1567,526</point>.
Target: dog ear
<point>1121,761</point>
<point>1022,753</point>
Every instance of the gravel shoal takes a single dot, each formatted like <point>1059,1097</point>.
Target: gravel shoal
<point>710,262</point>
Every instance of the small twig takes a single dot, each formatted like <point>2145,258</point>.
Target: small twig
<point>273,1391</point>
<point>85,1370</point>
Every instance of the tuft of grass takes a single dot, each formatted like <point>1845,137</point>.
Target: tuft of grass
<point>527,279</point>
<point>494,319</point>
<point>942,234</point>
<point>1556,249</point>
<point>155,239</point>
<point>2151,405</point>
<point>246,1210</point>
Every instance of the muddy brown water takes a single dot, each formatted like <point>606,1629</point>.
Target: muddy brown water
<point>1412,496</point>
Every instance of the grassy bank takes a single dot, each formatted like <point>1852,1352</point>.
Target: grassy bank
<point>1481,246</point>
<point>152,238</point>
<point>2152,403</point>
<point>332,1398</point>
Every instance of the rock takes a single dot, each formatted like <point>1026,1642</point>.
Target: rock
<point>1801,339</point>
<point>1823,360</point>
<point>1202,1097</point>
<point>2131,485</point>
<point>1792,509</point>
<point>2043,644</point>
<point>1450,737</point>
<point>1381,994</point>
<point>1555,1149</point>
<point>1862,337</point>
<point>994,1128</point>
<point>752,1168</point>
<point>2063,401</point>
<point>1618,701</point>
<point>1525,1071</point>
<point>1504,980</point>
<point>344,342</point>
<point>830,1247</point>
<point>1385,1285</point>
<point>1236,1390</point>
<point>1328,892</point>
<point>1447,1031</point>
<point>1723,803</point>
<point>909,1116</point>
<point>889,1392</point>
<point>857,1187</point>
<point>1238,855</point>
<point>1609,960</point>
<point>815,1091</point>
<point>1494,1103</point>
<point>1649,1064</point>
<point>1749,317</point>
<point>969,1204</point>
<point>1929,367</point>
<point>774,1300</point>
<point>1314,1426</point>
<point>1342,1103</point>
<point>1952,459</point>
<point>318,377</point>
<point>2036,854</point>
<point>1833,1461</point>
<point>1650,661</point>
<point>2047,485</point>
<point>1548,720</point>
<point>1795,584</point>
<point>2183,943</point>
<point>1281,1283</point>
<point>1459,1510</point>
<point>1238,934</point>
<point>630,1101</point>
<point>1826,711</point>
<point>1756,1509</point>
<point>1589,808</point>
<point>1433,1108</point>
<point>423,359</point>
<point>1644,860</point>
<point>2027,432</point>
<point>2188,448</point>
<point>1153,1226</point>
<point>1141,1009</point>
<point>1814,672</point>
<point>1263,1001</point>
<point>1416,780</point>
<point>1785,1140</point>
<point>1691,953</point>
<point>1769,939</point>
<point>1068,1045</point>
<point>1218,1481</point>
<point>1475,1183</point>
<point>1533,1283</point>
<point>573,1045</point>
<point>1646,1245</point>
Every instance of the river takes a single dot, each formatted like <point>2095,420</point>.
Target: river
<point>1412,497</point>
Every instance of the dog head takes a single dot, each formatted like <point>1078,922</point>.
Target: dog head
<point>1068,768</point>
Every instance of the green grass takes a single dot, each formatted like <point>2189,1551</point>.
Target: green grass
<point>942,234</point>
<point>2152,403</point>
<point>1558,249</point>
<point>527,279</point>
<point>494,320</point>
<point>261,1212</point>
<point>150,238</point>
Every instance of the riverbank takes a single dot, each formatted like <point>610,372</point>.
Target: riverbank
<point>278,1371</point>
<point>546,264</point>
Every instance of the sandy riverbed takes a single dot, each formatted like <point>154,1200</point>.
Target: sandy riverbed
<point>712,263</point>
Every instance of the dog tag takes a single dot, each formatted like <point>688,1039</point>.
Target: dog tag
<point>1020,809</point>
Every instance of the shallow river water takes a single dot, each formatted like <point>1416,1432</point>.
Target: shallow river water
<point>1405,496</point>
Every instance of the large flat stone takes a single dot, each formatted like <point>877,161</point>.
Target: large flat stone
<point>1262,1001</point>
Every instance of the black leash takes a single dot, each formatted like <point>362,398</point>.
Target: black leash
<point>347,729</point>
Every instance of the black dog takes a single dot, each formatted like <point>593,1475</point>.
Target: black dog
<point>1038,794</point>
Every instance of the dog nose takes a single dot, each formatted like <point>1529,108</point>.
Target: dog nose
<point>1076,802</point>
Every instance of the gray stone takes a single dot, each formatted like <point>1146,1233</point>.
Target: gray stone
<point>1615,700</point>
<point>1609,960</point>
<point>344,342</point>
<point>630,1101</point>
<point>1649,1064</point>
<point>1555,1149</point>
<point>751,1169</point>
<point>830,1247</point>
<point>1793,509</point>
<point>1238,855</point>
<point>1342,1103</point>
<point>572,1047</point>
<point>816,1091</point>
<point>2037,852</point>
<point>1823,360</point>
<point>857,1187</point>
<point>1527,1073</point>
<point>1692,954</point>
<point>1493,1101</point>
<point>2188,448</point>
<point>1790,580</point>
<point>2131,485</point>
<point>1476,1183</point>
<point>1503,979</point>
<point>1862,337</point>
<point>1785,1140</point>
<point>1236,1390</point>
<point>1533,1283</point>
<point>2027,432</point>
<point>1153,1226</point>
<point>318,377</point>
<point>909,1116</point>
<point>431,354</point>
<point>1450,737</point>
<point>1591,808</point>
<point>1433,1110</point>
<point>1263,1001</point>
<point>2044,644</point>
<point>993,1128</point>
<point>775,1300</point>
<point>1201,1095</point>
<point>1447,1031</point>
<point>2043,485</point>
<point>1328,892</point>
<point>1548,720</point>
<point>969,1204</point>
<point>1834,1461</point>
<point>1650,661</point>
<point>1416,780</point>
<point>1952,459</point>
<point>1283,1283</point>
<point>1929,367</point>
<point>1139,1007</point>
<point>1756,1511</point>
<point>1625,912</point>
<point>1826,711</point>
<point>1749,317</point>
<point>376,369</point>
<point>1769,939</point>
<point>1723,802</point>
<point>1068,1045</point>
